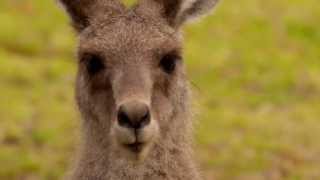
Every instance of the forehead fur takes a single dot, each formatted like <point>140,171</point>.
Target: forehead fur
<point>129,32</point>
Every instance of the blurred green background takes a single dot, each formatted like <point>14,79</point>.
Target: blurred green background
<point>255,66</point>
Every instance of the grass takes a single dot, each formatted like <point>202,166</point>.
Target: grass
<point>256,66</point>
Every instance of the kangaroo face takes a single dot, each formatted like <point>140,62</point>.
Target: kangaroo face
<point>131,83</point>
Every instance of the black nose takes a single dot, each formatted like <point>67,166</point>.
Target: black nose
<point>134,115</point>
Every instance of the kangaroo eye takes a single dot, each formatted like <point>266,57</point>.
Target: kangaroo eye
<point>94,63</point>
<point>168,63</point>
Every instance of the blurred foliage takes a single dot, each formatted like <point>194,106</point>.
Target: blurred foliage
<point>255,66</point>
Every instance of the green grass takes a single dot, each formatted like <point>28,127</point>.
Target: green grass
<point>255,65</point>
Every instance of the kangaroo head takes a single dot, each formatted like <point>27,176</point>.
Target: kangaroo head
<point>131,83</point>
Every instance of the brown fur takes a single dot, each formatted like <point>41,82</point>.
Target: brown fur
<point>131,44</point>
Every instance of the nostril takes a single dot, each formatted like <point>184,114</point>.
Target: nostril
<point>123,119</point>
<point>145,119</point>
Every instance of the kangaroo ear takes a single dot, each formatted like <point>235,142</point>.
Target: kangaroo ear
<point>195,8</point>
<point>83,11</point>
<point>177,12</point>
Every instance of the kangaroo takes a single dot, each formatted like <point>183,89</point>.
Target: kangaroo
<point>132,91</point>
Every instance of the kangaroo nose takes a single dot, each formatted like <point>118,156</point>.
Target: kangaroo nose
<point>134,115</point>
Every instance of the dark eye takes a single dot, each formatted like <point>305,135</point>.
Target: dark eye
<point>94,63</point>
<point>168,63</point>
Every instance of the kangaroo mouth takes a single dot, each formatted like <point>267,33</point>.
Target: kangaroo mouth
<point>135,147</point>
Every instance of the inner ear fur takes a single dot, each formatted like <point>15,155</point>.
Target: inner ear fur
<point>83,11</point>
<point>177,12</point>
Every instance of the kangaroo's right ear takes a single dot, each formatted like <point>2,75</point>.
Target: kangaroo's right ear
<point>177,12</point>
<point>83,11</point>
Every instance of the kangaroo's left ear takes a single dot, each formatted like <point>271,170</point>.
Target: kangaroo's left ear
<point>82,12</point>
<point>177,12</point>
